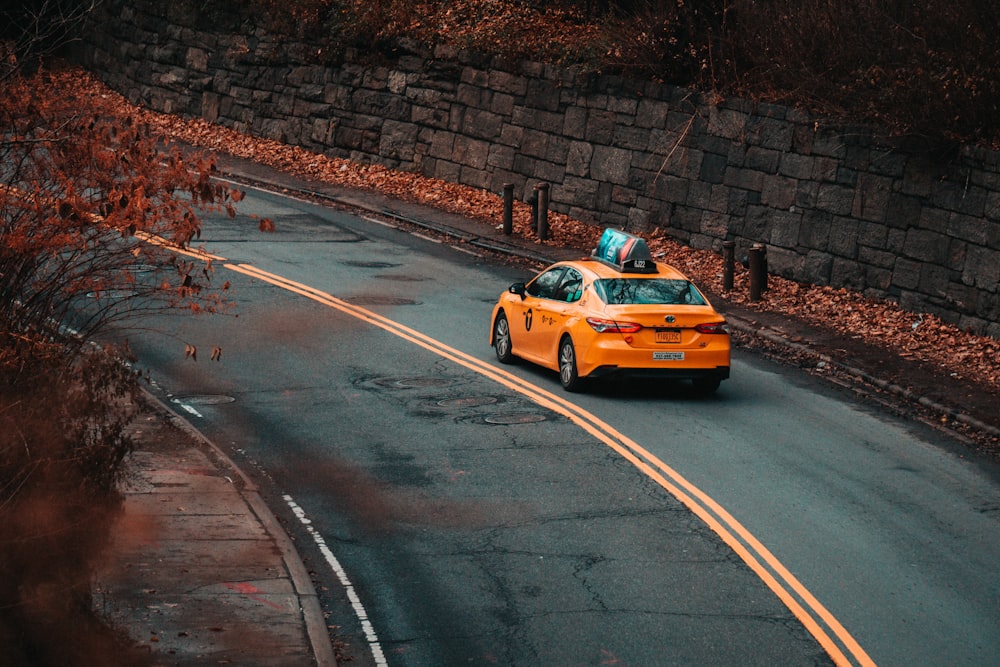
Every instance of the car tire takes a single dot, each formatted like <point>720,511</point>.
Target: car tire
<point>706,386</point>
<point>501,339</point>
<point>568,376</point>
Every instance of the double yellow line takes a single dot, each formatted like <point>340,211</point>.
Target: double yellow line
<point>831,635</point>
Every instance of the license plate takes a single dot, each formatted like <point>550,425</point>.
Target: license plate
<point>668,336</point>
<point>668,356</point>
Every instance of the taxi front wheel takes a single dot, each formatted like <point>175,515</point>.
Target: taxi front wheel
<point>567,366</point>
<point>501,339</point>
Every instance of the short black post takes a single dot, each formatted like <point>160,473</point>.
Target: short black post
<point>508,208</point>
<point>543,211</point>
<point>728,262</point>
<point>533,200</point>
<point>756,271</point>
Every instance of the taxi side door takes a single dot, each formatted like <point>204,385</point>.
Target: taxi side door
<point>551,313</point>
<point>526,328</point>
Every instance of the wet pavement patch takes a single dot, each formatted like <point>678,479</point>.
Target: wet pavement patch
<point>378,300</point>
<point>411,382</point>
<point>370,265</point>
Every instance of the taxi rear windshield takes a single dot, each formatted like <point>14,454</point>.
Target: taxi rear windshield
<point>617,291</point>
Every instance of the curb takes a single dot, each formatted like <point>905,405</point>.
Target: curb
<point>312,613</point>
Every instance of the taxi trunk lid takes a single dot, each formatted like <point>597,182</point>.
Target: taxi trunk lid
<point>662,327</point>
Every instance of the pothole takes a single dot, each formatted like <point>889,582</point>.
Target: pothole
<point>412,382</point>
<point>515,418</point>
<point>203,399</point>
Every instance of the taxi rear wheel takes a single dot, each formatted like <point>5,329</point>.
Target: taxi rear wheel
<point>501,340</point>
<point>567,366</point>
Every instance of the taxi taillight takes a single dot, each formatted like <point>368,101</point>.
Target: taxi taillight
<point>712,328</point>
<point>611,326</point>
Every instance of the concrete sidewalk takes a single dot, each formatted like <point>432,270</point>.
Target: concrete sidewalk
<point>200,572</point>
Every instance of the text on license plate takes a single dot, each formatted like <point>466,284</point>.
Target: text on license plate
<point>664,336</point>
<point>668,356</point>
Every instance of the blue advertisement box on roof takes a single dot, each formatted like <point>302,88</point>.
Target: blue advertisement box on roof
<point>625,252</point>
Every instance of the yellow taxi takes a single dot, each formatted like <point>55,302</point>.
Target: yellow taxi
<point>617,312</point>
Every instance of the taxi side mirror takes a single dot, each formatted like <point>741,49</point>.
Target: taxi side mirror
<point>517,288</point>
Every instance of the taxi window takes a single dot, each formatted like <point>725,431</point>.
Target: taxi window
<point>545,284</point>
<point>570,287</point>
<point>666,291</point>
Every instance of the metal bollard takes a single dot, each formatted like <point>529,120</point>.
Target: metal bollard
<point>543,211</point>
<point>757,275</point>
<point>728,262</point>
<point>533,200</point>
<point>508,208</point>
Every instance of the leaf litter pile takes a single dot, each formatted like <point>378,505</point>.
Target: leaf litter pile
<point>879,323</point>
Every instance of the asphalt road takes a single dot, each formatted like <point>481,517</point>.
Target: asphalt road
<point>454,511</point>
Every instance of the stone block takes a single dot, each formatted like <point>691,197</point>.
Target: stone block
<point>934,280</point>
<point>651,113</point>
<point>876,258</point>
<point>470,152</point>
<point>982,268</point>
<point>611,164</point>
<point>473,177</point>
<point>785,262</point>
<point>580,192</point>
<point>715,225</point>
<point>574,124</point>
<point>482,124</point>
<point>795,165</point>
<point>600,127</point>
<point>713,168</point>
<point>847,273</point>
<point>728,123</point>
<point>770,133</point>
<point>785,229</point>
<point>631,138</point>
<point>578,158</point>
<point>906,273</point>
<point>398,140</point>
<point>534,143</point>
<point>817,267</point>
<point>779,192</point>
<point>429,116</point>
<point>498,103</point>
<point>814,231</point>
<point>844,237</point>
<point>835,199</point>
<point>501,157</point>
<point>926,246</point>
<point>541,94</point>
<point>505,82</point>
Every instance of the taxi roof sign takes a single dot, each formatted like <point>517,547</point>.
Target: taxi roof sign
<point>625,252</point>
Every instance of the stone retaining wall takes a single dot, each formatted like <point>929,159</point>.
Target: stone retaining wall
<point>834,205</point>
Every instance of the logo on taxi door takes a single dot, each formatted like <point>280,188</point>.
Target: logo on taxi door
<point>528,316</point>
